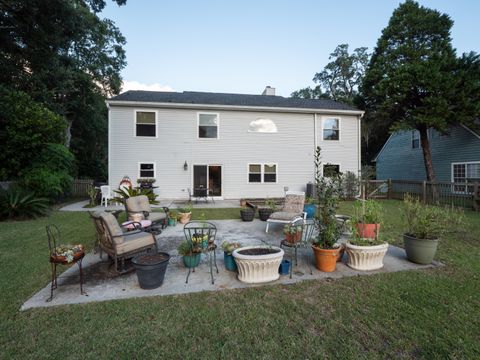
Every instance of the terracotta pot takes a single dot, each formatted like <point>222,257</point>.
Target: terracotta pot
<point>369,231</point>
<point>184,218</point>
<point>325,260</point>
<point>293,238</point>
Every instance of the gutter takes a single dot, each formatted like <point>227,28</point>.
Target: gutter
<point>232,107</point>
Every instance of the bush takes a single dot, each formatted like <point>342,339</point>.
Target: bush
<point>46,183</point>
<point>18,203</point>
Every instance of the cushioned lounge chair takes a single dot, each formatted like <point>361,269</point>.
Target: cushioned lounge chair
<point>293,208</point>
<point>138,208</point>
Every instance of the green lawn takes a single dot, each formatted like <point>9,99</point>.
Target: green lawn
<point>416,314</point>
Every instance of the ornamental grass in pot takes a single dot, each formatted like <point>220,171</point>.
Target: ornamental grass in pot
<point>425,225</point>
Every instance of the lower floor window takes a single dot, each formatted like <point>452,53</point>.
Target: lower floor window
<point>467,173</point>
<point>331,170</point>
<point>262,173</point>
<point>147,170</point>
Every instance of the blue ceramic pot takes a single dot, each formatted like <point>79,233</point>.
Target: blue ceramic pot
<point>310,209</point>
<point>230,263</point>
<point>285,267</point>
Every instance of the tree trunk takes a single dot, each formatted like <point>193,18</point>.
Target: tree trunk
<point>427,155</point>
<point>68,133</point>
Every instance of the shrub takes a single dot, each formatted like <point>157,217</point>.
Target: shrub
<point>18,203</point>
<point>46,183</point>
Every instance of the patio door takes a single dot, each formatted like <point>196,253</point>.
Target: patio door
<point>207,177</point>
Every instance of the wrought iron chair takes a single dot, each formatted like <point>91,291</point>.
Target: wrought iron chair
<point>200,236</point>
<point>308,228</point>
<point>53,234</point>
<point>138,208</point>
<point>120,245</point>
<point>293,208</point>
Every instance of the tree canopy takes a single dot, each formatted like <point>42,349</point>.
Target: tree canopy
<point>414,79</point>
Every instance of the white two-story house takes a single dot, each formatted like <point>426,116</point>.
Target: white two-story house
<point>235,145</point>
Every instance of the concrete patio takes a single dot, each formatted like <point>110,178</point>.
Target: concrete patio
<point>102,284</point>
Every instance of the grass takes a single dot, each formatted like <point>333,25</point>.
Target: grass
<point>416,314</point>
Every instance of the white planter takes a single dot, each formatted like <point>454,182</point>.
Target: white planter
<point>366,257</point>
<point>254,269</point>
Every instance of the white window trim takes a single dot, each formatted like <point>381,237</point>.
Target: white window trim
<point>329,163</point>
<point>135,123</point>
<point>322,120</point>
<point>154,169</point>
<point>198,125</point>
<point>453,178</point>
<point>262,172</point>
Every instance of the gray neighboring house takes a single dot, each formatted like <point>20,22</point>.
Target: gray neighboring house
<point>235,145</point>
<point>456,156</point>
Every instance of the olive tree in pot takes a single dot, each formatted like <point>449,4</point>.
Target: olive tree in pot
<point>425,225</point>
<point>325,246</point>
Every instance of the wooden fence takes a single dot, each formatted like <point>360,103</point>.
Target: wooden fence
<point>445,193</point>
<point>80,187</point>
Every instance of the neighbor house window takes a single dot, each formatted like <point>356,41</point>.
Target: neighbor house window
<point>415,139</point>
<point>467,173</point>
<point>331,129</point>
<point>331,170</point>
<point>145,123</point>
<point>146,170</point>
<point>262,173</point>
<point>208,126</point>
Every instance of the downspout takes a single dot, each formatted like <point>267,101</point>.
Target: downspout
<point>314,132</point>
<point>360,152</point>
<point>109,147</point>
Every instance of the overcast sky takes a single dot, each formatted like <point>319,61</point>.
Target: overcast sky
<point>242,46</point>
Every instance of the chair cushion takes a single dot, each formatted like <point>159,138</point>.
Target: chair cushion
<point>112,224</point>
<point>134,242</point>
<point>138,204</point>
<point>157,216</point>
<point>284,215</point>
<point>294,203</point>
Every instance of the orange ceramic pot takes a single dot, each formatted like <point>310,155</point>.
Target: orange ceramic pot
<point>325,260</point>
<point>369,231</point>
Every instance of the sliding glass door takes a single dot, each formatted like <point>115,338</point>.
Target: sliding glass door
<point>207,177</point>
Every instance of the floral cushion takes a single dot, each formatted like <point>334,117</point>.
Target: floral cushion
<point>294,203</point>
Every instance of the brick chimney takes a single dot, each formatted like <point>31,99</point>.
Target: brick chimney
<point>269,91</point>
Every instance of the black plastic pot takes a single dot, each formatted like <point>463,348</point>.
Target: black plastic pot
<point>247,214</point>
<point>264,214</point>
<point>151,269</point>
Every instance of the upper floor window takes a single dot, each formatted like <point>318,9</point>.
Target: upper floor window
<point>145,123</point>
<point>331,129</point>
<point>415,139</point>
<point>208,126</point>
<point>331,170</point>
<point>146,170</point>
<point>262,126</point>
<point>262,173</point>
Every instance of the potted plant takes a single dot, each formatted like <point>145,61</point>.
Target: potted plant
<point>185,213</point>
<point>247,214</point>
<point>146,183</point>
<point>310,207</point>
<point>425,225</point>
<point>150,269</point>
<point>265,212</point>
<point>367,218</point>
<point>190,256</point>
<point>293,233</point>
<point>172,218</point>
<point>228,249</point>
<point>200,240</point>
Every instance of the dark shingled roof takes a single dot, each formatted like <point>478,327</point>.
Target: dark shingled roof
<point>207,98</point>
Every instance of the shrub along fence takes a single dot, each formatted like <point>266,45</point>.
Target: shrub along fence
<point>445,193</point>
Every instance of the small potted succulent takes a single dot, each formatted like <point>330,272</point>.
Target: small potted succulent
<point>265,212</point>
<point>228,249</point>
<point>426,224</point>
<point>190,255</point>
<point>293,233</point>
<point>247,213</point>
<point>185,213</point>
<point>200,240</point>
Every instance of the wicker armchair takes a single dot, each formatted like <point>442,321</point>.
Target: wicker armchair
<point>121,245</point>
<point>293,208</point>
<point>138,208</point>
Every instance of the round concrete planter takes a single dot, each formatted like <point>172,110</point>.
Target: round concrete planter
<point>420,251</point>
<point>255,269</point>
<point>366,257</point>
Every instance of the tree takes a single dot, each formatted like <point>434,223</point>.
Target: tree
<point>67,58</point>
<point>414,80</point>
<point>341,77</point>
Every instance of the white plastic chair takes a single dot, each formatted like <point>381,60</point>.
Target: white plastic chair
<point>106,195</point>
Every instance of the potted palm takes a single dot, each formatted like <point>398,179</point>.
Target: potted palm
<point>425,225</point>
<point>190,255</point>
<point>228,249</point>
<point>185,213</point>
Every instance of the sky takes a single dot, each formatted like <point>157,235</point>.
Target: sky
<point>242,46</point>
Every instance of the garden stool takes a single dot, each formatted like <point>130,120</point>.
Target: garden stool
<point>63,255</point>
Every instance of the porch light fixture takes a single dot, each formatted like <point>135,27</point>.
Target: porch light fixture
<point>185,166</point>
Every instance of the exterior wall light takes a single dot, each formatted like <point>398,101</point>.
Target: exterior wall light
<point>185,166</point>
